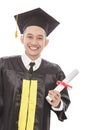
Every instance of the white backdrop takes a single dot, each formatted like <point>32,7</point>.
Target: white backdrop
<point>67,47</point>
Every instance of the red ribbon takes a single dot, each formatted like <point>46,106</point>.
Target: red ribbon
<point>64,84</point>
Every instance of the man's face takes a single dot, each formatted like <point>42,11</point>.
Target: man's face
<point>34,40</point>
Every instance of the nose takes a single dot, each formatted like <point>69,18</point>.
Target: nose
<point>34,41</point>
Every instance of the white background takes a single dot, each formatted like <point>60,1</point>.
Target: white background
<point>67,47</point>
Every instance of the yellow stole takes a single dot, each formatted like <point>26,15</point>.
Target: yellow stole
<point>28,105</point>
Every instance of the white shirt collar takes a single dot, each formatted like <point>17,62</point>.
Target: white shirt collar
<point>26,60</point>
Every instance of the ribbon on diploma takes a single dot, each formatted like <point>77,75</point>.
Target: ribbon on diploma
<point>64,84</point>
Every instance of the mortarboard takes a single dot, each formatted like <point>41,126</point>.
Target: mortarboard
<point>36,17</point>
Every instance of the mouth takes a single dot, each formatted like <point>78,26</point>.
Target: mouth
<point>33,48</point>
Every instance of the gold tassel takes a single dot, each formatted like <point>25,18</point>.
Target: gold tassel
<point>16,32</point>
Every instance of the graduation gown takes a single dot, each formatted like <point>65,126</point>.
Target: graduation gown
<point>12,75</point>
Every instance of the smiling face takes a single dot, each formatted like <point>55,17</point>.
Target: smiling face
<point>34,40</point>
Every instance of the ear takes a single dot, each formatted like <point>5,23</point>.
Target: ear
<point>22,39</point>
<point>46,42</point>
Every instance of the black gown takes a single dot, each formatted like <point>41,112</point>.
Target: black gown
<point>12,73</point>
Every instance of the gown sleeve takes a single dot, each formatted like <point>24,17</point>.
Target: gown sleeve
<point>65,98</point>
<point>1,91</point>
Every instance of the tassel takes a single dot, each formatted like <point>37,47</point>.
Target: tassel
<point>16,32</point>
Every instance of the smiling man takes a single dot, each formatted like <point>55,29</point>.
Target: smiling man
<point>26,80</point>
<point>34,40</point>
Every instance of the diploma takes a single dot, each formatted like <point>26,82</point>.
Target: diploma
<point>62,84</point>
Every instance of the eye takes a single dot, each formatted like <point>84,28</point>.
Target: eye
<point>40,38</point>
<point>29,36</point>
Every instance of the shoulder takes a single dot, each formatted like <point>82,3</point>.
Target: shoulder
<point>8,59</point>
<point>53,68</point>
<point>50,64</point>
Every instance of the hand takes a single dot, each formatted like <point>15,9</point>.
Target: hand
<point>56,98</point>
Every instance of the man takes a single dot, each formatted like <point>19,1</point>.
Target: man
<point>26,80</point>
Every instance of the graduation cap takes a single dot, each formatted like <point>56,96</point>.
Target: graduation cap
<point>36,17</point>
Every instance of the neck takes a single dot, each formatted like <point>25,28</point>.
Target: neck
<point>33,58</point>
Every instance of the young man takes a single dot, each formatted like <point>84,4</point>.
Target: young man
<point>25,85</point>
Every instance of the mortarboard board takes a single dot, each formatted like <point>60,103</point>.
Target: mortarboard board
<point>36,17</point>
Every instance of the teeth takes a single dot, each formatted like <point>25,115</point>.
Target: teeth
<point>33,48</point>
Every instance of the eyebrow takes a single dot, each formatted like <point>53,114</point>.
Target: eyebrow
<point>37,35</point>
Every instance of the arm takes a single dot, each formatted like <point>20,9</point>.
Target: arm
<point>59,103</point>
<point>66,102</point>
<point>1,98</point>
<point>60,100</point>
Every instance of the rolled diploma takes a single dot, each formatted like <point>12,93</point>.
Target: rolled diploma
<point>68,78</point>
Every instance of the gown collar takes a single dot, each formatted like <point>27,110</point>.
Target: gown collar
<point>26,60</point>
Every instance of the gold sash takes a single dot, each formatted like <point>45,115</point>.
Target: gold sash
<point>28,105</point>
